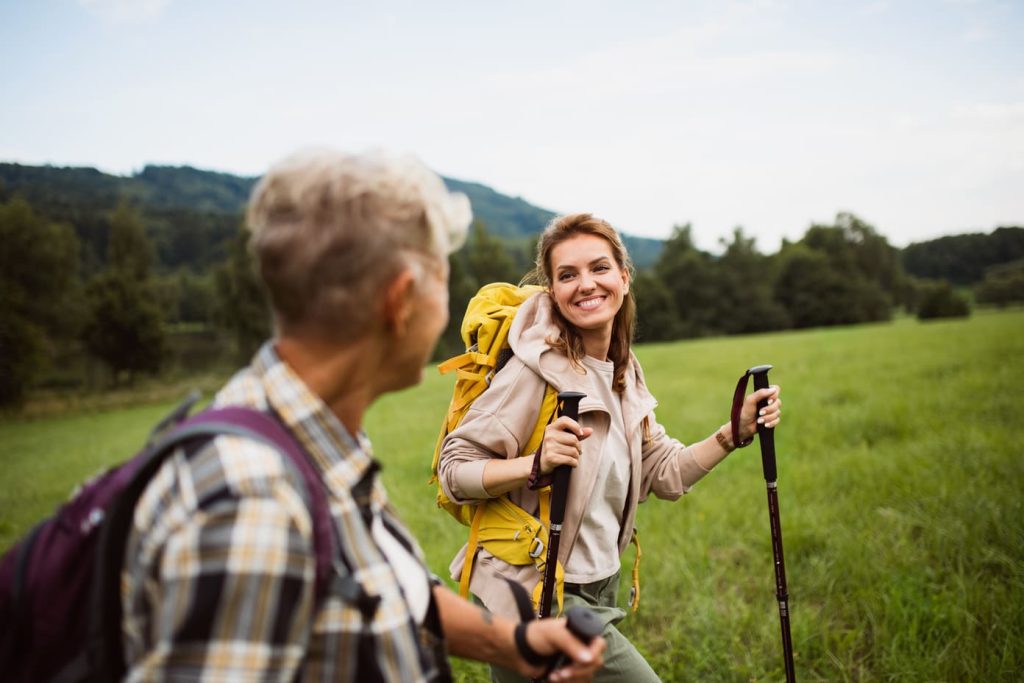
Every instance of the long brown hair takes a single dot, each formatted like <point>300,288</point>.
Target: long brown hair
<point>569,340</point>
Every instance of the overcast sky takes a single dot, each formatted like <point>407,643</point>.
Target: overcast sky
<point>766,114</point>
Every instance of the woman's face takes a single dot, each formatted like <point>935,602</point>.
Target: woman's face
<point>587,283</point>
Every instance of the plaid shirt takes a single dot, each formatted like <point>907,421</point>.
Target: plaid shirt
<point>219,575</point>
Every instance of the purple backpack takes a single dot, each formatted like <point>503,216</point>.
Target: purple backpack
<point>60,601</point>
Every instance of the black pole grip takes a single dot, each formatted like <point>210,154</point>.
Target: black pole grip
<point>583,623</point>
<point>765,434</point>
<point>568,405</point>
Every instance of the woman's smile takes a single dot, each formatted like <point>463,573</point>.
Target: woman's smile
<point>590,303</point>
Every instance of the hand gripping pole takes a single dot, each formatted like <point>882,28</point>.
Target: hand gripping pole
<point>568,404</point>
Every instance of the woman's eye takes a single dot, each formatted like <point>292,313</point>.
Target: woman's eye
<point>565,277</point>
<point>601,268</point>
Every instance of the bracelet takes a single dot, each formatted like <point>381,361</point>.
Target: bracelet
<point>724,442</point>
<point>531,656</point>
<point>537,480</point>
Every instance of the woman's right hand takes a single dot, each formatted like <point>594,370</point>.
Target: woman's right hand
<point>561,445</point>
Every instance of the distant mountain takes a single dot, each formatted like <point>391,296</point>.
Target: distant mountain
<point>510,217</point>
<point>68,193</point>
<point>514,217</point>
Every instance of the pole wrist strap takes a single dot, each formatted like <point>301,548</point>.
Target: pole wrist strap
<point>737,407</point>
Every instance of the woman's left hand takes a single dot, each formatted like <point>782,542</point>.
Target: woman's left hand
<point>769,416</point>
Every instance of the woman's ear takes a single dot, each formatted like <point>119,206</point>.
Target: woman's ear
<point>397,305</point>
<point>625,281</point>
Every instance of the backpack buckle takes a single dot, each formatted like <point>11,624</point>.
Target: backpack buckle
<point>536,548</point>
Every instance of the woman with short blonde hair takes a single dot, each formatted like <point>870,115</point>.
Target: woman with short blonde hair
<point>220,571</point>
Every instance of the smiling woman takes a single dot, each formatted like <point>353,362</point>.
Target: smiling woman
<point>576,335</point>
<point>589,288</point>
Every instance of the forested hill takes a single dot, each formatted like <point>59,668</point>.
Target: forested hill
<point>167,194</point>
<point>964,259</point>
<point>191,214</point>
<point>155,187</point>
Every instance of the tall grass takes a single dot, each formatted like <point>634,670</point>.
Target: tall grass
<point>900,483</point>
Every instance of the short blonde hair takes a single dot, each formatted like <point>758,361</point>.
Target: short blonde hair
<point>329,229</point>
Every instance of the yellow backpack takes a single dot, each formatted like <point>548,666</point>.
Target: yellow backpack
<point>506,530</point>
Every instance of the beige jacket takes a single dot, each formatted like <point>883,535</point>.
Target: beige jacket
<point>503,418</point>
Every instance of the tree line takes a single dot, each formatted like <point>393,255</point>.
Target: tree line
<point>123,287</point>
<point>842,273</point>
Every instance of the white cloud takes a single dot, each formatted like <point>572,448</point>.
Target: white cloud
<point>698,56</point>
<point>977,34</point>
<point>126,11</point>
<point>991,112</point>
<point>875,8</point>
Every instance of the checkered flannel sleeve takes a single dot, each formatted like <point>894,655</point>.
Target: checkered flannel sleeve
<point>234,592</point>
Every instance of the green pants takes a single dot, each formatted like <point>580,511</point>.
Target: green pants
<point>622,662</point>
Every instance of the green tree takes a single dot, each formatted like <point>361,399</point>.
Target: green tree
<point>746,278</point>
<point>22,355</point>
<point>488,259</point>
<point>938,300</point>
<point>656,315</point>
<point>197,297</point>
<point>1003,285</point>
<point>483,259</point>
<point>129,251</point>
<point>816,294</point>
<point>242,307</point>
<point>689,275</point>
<point>187,297</point>
<point>125,325</point>
<point>856,250</point>
<point>39,281</point>
<point>461,288</point>
<point>839,274</point>
<point>125,321</point>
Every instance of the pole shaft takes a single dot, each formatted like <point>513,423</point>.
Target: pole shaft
<point>766,438</point>
<point>781,591</point>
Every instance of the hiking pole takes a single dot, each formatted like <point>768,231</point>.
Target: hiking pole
<point>568,404</point>
<point>767,440</point>
<point>581,621</point>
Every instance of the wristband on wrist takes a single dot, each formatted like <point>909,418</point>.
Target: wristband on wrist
<point>723,441</point>
<point>531,656</point>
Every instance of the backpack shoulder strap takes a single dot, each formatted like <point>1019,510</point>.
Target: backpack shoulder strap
<point>261,426</point>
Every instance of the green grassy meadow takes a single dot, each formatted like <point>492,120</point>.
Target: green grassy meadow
<point>901,474</point>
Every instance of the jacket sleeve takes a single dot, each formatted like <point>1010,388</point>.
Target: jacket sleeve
<point>669,469</point>
<point>497,425</point>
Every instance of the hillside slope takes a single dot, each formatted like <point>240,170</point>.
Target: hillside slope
<point>69,194</point>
